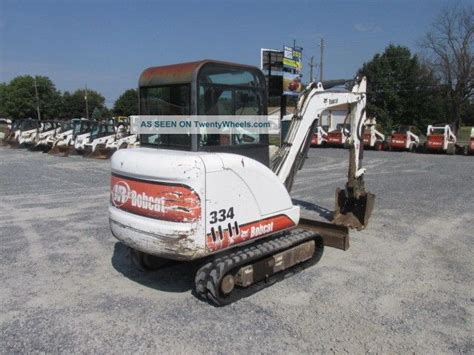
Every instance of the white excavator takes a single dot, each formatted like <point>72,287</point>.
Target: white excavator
<point>224,203</point>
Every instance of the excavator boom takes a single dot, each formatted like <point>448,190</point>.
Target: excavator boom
<point>353,204</point>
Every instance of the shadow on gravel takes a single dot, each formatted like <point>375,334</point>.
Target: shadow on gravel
<point>322,211</point>
<point>174,277</point>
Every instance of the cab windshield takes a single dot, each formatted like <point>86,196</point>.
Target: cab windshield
<point>81,127</point>
<point>29,124</point>
<point>47,126</point>
<point>77,128</point>
<point>101,130</point>
<point>15,125</point>
<point>66,126</point>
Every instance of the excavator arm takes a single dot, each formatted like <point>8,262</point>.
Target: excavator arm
<point>353,204</point>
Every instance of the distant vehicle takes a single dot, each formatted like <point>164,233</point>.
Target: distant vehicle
<point>372,137</point>
<point>5,126</point>
<point>320,136</point>
<point>64,144</point>
<point>46,134</point>
<point>338,137</point>
<point>405,138</point>
<point>465,141</point>
<point>440,138</point>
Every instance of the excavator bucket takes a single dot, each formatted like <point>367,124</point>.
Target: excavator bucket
<point>353,212</point>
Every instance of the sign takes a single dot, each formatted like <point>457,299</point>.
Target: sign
<point>292,67</point>
<point>292,84</point>
<point>282,69</point>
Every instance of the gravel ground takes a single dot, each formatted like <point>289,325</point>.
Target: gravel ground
<point>405,285</point>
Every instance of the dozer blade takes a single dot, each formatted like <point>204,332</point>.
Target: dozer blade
<point>351,211</point>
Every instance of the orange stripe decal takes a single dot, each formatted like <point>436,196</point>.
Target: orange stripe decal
<point>223,238</point>
<point>169,202</point>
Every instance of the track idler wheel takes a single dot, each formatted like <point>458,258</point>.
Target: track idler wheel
<point>353,212</point>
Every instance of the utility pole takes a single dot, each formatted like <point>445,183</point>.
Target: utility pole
<point>311,66</point>
<point>87,105</point>
<point>321,59</point>
<point>37,100</point>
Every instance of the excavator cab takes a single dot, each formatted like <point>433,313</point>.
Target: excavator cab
<point>205,87</point>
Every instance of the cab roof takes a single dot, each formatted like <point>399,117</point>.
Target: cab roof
<point>182,73</point>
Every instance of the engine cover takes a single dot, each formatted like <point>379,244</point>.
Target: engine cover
<point>186,205</point>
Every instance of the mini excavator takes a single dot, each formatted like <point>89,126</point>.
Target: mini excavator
<point>220,198</point>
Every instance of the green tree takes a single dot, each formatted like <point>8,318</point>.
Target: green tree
<point>401,90</point>
<point>74,105</point>
<point>126,104</point>
<point>3,98</point>
<point>19,98</point>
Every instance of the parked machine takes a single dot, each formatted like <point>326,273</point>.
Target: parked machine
<point>440,138</point>
<point>47,128</point>
<point>10,131</point>
<point>47,143</point>
<point>465,141</point>
<point>65,145</point>
<point>339,136</point>
<point>373,138</point>
<point>101,133</point>
<point>26,131</point>
<point>5,127</point>
<point>320,137</point>
<point>121,142</point>
<point>405,138</point>
<point>106,146</point>
<point>219,198</point>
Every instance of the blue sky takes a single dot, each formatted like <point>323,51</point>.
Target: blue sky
<point>106,44</point>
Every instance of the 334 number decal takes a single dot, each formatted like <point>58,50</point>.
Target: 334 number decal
<point>221,215</point>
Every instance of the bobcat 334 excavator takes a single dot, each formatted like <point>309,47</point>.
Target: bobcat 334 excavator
<point>214,198</point>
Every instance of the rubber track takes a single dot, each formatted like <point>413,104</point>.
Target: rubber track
<point>210,274</point>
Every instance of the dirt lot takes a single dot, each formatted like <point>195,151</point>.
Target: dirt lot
<point>405,285</point>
